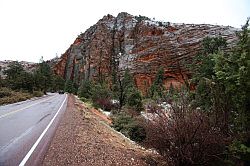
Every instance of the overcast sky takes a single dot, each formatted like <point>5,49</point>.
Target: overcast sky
<point>30,29</point>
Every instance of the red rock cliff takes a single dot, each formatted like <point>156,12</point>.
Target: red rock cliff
<point>139,44</point>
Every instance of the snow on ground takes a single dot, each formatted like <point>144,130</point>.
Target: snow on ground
<point>165,109</point>
<point>104,112</point>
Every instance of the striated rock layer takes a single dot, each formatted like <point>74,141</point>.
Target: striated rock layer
<point>139,44</point>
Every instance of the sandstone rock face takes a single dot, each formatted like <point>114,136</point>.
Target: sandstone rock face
<point>139,44</point>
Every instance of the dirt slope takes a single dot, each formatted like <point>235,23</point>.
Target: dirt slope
<point>82,138</point>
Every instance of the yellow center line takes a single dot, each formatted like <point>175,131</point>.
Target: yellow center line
<point>15,111</point>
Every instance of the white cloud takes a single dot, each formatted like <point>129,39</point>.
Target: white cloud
<point>33,28</point>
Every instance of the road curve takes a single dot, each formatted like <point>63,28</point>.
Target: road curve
<point>26,129</point>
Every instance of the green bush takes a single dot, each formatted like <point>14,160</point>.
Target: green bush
<point>100,91</point>
<point>37,93</point>
<point>4,92</point>
<point>135,100</point>
<point>136,132</point>
<point>101,97</point>
<point>238,152</point>
<point>85,89</point>
<point>70,86</point>
<point>83,99</point>
<point>129,127</point>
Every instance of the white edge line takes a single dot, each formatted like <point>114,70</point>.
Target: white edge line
<point>25,159</point>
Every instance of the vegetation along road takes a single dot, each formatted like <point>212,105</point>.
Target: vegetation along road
<point>27,127</point>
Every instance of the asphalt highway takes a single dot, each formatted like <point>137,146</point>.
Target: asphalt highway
<point>26,129</point>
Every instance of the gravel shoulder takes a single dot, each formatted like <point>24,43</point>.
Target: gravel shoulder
<point>83,138</point>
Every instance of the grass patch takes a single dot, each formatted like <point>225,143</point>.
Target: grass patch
<point>87,102</point>
<point>8,96</point>
<point>37,94</point>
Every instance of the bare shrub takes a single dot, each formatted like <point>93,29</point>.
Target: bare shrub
<point>14,97</point>
<point>37,93</point>
<point>184,135</point>
<point>104,103</point>
<point>4,92</point>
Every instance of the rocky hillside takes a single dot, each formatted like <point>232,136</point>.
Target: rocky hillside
<point>28,66</point>
<point>139,44</point>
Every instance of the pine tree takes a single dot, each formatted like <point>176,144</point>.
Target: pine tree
<point>57,83</point>
<point>69,86</point>
<point>85,89</point>
<point>157,88</point>
<point>233,71</point>
<point>18,78</point>
<point>43,76</point>
<point>125,86</point>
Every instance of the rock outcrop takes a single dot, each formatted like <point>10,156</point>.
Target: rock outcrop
<point>28,66</point>
<point>139,44</point>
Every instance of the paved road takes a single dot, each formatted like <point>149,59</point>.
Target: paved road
<point>26,129</point>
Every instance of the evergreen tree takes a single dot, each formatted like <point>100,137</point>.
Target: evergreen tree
<point>157,88</point>
<point>223,79</point>
<point>57,83</point>
<point>233,71</point>
<point>18,78</point>
<point>69,87</point>
<point>125,86</point>
<point>26,81</point>
<point>134,100</point>
<point>85,89</point>
<point>43,76</point>
<point>204,69</point>
<point>204,74</point>
<point>14,69</point>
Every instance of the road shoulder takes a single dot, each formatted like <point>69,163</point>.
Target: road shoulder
<point>82,138</point>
